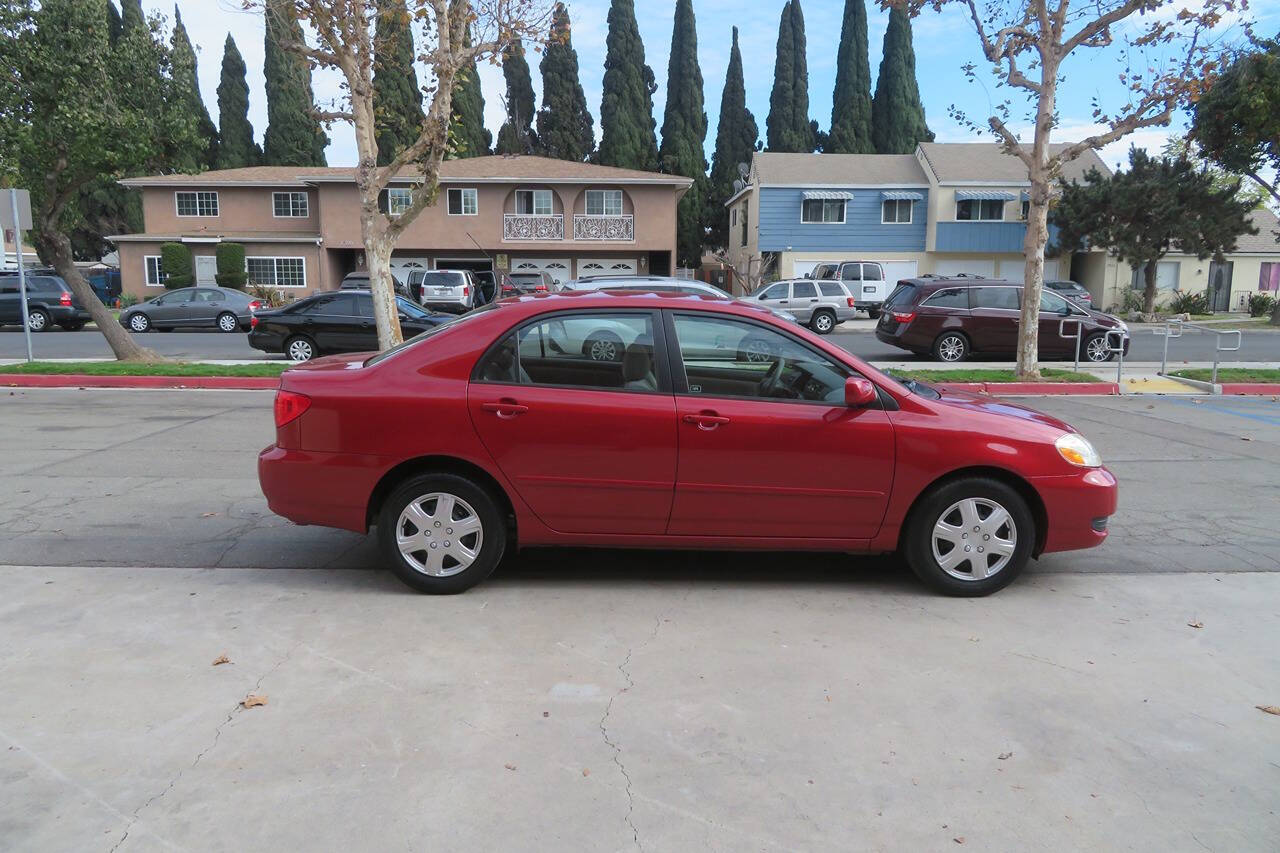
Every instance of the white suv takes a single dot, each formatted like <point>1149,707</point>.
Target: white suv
<point>444,290</point>
<point>865,280</point>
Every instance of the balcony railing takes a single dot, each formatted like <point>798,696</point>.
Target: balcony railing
<point>532,226</point>
<point>593,227</point>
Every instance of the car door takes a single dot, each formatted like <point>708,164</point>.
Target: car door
<point>768,447</point>
<point>589,450</point>
<point>204,307</point>
<point>994,312</point>
<point>776,296</point>
<point>804,298</point>
<point>328,320</point>
<point>10,300</point>
<point>168,310</point>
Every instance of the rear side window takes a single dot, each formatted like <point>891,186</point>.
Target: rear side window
<point>364,305</point>
<point>44,284</point>
<point>951,297</point>
<point>995,297</point>
<point>872,272</point>
<point>830,288</point>
<point>803,289</point>
<point>905,294</point>
<point>597,351</point>
<point>851,272</point>
<point>342,304</point>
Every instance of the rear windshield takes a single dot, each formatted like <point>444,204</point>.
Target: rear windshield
<point>442,279</point>
<point>526,277</point>
<point>435,330</point>
<point>904,294</point>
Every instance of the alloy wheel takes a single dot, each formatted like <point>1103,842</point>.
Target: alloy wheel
<point>37,320</point>
<point>822,323</point>
<point>603,349</point>
<point>758,351</point>
<point>439,534</point>
<point>1095,349</point>
<point>973,539</point>
<point>951,348</point>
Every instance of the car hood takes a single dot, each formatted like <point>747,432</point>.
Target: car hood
<point>995,406</point>
<point>1107,321</point>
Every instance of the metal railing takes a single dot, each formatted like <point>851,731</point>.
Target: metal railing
<point>532,226</point>
<point>1175,328</point>
<point>1076,337</point>
<point>588,226</point>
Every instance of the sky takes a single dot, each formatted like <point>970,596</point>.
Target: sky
<point>944,42</point>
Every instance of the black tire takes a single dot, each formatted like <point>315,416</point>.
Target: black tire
<point>918,547</point>
<point>38,320</point>
<point>227,322</point>
<point>603,346</point>
<point>73,326</point>
<point>873,313</point>
<point>758,349</point>
<point>492,539</point>
<point>164,328</point>
<point>951,347</point>
<point>139,322</point>
<point>823,322</point>
<point>304,346</point>
<point>1094,349</point>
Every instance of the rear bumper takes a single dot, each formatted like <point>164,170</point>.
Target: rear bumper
<point>1078,507</point>
<point>863,305</point>
<point>329,489</point>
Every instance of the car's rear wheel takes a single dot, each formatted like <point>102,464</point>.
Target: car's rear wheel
<point>823,322</point>
<point>603,346</point>
<point>139,322</point>
<point>969,537</point>
<point>1095,348</point>
<point>300,348</point>
<point>38,320</point>
<point>441,533</point>
<point>951,346</point>
<point>227,322</point>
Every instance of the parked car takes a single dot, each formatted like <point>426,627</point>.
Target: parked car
<point>684,443</point>
<point>953,318</point>
<point>50,302</point>
<point>219,308</point>
<point>1071,290</point>
<point>663,284</point>
<point>514,283</point>
<point>446,290</point>
<point>865,280</point>
<point>359,280</point>
<point>334,322</point>
<point>486,286</point>
<point>820,305</point>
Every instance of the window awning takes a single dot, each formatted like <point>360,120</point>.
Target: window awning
<point>901,195</point>
<point>835,195</point>
<point>1024,195</point>
<point>984,195</point>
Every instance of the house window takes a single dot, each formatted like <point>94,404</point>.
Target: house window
<point>604,202</point>
<point>1269,277</point>
<point>399,199</point>
<point>277,272</point>
<point>733,217</point>
<point>197,203</point>
<point>1026,210</point>
<point>155,273</point>
<point>1166,276</point>
<point>820,210</point>
<point>980,209</point>
<point>535,202</point>
<point>292,205</point>
<point>896,211</point>
<point>743,220</point>
<point>463,202</point>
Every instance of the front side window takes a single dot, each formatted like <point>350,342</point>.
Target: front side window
<point>725,357</point>
<point>197,203</point>
<point>535,202</point>
<point>155,272</point>
<point>611,352</point>
<point>777,291</point>
<point>822,210</point>
<point>604,202</point>
<point>340,305</point>
<point>277,272</point>
<point>399,199</point>
<point>290,205</point>
<point>1002,298</point>
<point>984,210</point>
<point>896,211</point>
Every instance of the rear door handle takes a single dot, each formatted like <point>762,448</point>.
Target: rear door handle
<point>706,420</point>
<point>505,408</point>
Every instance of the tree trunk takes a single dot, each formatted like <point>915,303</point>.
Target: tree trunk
<point>1037,235</point>
<point>378,245</point>
<point>58,246</point>
<point>1149,288</point>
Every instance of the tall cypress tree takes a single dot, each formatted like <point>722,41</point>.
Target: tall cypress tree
<point>516,135</point>
<point>787,125</point>
<point>131,15</point>
<point>236,146</point>
<point>736,136</point>
<point>186,80</point>
<point>897,116</point>
<point>565,127</point>
<point>626,109</point>
<point>395,82</point>
<point>115,26</point>
<point>851,103</point>
<point>468,136</point>
<point>684,132</point>
<point>294,136</point>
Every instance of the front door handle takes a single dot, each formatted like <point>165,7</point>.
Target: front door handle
<point>706,420</point>
<point>505,409</point>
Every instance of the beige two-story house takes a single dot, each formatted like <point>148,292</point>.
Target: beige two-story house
<point>301,226</point>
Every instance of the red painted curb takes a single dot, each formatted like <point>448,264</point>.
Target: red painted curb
<point>1272,388</point>
<point>972,387</point>
<point>1052,388</point>
<point>74,380</point>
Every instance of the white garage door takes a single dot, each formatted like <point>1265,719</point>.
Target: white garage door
<point>895,271</point>
<point>982,268</point>
<point>557,268</point>
<point>606,266</point>
<point>401,265</point>
<point>1016,270</point>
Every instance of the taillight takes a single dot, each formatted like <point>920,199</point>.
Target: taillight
<point>289,406</point>
<point>253,322</point>
<point>849,300</point>
<point>541,288</point>
<point>903,316</point>
<point>64,299</point>
<point>255,305</point>
<point>466,291</point>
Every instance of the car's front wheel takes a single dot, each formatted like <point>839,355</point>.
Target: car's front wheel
<point>951,346</point>
<point>969,537</point>
<point>823,322</point>
<point>1096,348</point>
<point>139,323</point>
<point>300,348</point>
<point>441,533</point>
<point>227,322</point>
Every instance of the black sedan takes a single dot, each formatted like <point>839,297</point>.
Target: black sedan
<point>192,307</point>
<point>338,321</point>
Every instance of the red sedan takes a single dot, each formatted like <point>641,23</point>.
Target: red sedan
<point>641,420</point>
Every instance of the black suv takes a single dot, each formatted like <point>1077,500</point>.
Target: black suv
<point>49,302</point>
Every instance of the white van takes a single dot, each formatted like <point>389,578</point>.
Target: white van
<point>864,280</point>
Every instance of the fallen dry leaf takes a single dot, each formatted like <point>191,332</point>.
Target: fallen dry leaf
<point>1269,709</point>
<point>546,713</point>
<point>220,659</point>
<point>1195,624</point>
<point>1245,438</point>
<point>207,514</point>
<point>253,700</point>
<point>1004,756</point>
<point>959,839</point>
<point>509,766</point>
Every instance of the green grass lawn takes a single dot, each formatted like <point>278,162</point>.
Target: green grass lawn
<point>124,368</point>
<point>1231,374</point>
<point>992,375</point>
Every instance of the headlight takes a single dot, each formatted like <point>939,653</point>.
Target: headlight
<point>1077,450</point>
<point>1124,327</point>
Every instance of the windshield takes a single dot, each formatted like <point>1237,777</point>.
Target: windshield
<point>435,330</point>
<point>411,310</point>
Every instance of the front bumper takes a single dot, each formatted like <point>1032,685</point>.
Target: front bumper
<point>1077,507</point>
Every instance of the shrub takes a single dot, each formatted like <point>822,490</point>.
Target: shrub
<point>178,265</point>
<point>124,300</point>
<point>266,294</point>
<point>231,272</point>
<point>1261,304</point>
<point>1189,302</point>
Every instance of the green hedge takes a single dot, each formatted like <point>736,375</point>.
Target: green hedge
<point>231,265</point>
<point>178,265</point>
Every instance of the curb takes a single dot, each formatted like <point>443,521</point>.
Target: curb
<point>1198,384</point>
<point>1110,389</point>
<point>79,380</point>
<point>1271,388</point>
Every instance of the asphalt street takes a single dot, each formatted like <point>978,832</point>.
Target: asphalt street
<point>1257,346</point>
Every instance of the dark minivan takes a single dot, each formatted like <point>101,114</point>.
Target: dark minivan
<point>50,302</point>
<point>952,318</point>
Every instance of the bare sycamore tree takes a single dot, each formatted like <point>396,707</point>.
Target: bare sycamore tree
<point>1163,51</point>
<point>750,272</point>
<point>343,36</point>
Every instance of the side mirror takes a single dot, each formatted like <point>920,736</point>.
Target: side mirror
<point>859,392</point>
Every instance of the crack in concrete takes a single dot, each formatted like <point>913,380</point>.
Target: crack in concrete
<point>617,748</point>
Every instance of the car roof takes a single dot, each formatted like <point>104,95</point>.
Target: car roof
<point>536,303</point>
